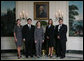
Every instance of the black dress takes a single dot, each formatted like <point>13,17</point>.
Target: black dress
<point>50,34</point>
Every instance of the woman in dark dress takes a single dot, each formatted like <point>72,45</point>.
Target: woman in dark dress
<point>18,36</point>
<point>50,36</point>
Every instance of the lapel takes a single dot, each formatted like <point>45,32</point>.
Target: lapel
<point>28,27</point>
<point>61,27</point>
<point>57,27</point>
<point>49,27</point>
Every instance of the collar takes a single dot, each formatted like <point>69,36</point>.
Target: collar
<point>29,24</point>
<point>60,24</point>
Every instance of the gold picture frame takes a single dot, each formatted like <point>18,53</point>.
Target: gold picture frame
<point>41,10</point>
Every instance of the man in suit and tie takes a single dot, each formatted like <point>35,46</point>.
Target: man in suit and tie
<point>60,37</point>
<point>28,37</point>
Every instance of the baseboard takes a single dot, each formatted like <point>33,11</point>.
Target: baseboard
<point>9,51</point>
<point>68,51</point>
<point>75,51</point>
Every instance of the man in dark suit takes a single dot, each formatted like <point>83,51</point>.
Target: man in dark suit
<point>28,37</point>
<point>60,37</point>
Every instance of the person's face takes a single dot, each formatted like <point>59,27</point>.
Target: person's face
<point>41,8</point>
<point>50,22</point>
<point>60,21</point>
<point>18,22</point>
<point>38,24</point>
<point>29,21</point>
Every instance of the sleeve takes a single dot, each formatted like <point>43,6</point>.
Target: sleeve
<point>52,32</point>
<point>35,34</point>
<point>23,32</point>
<point>65,29</point>
<point>55,32</point>
<point>15,29</point>
<point>46,32</point>
<point>42,33</point>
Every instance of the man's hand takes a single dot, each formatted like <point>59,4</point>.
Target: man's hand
<point>24,40</point>
<point>15,40</point>
<point>42,40</point>
<point>58,37</point>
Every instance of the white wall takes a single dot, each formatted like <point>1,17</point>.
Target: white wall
<point>73,43</point>
<point>7,43</point>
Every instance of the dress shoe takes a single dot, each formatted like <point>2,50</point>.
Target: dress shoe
<point>31,56</point>
<point>62,57</point>
<point>26,56</point>
<point>38,56</point>
<point>48,55</point>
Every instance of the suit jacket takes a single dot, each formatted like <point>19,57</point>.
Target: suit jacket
<point>50,32</point>
<point>28,33</point>
<point>62,32</point>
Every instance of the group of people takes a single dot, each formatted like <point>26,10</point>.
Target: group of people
<point>33,37</point>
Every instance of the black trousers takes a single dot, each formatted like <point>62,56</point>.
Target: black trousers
<point>29,48</point>
<point>60,48</point>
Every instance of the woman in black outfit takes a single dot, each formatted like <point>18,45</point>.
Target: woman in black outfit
<point>50,36</point>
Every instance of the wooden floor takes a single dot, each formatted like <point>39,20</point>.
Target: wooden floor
<point>13,56</point>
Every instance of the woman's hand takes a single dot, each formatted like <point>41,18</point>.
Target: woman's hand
<point>15,40</point>
<point>35,41</point>
<point>42,40</point>
<point>15,37</point>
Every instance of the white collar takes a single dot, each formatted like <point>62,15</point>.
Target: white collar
<point>60,24</point>
<point>29,24</point>
<point>49,25</point>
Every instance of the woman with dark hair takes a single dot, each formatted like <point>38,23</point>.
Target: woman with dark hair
<point>18,37</point>
<point>39,38</point>
<point>50,36</point>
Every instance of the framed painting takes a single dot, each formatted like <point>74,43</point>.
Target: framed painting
<point>41,10</point>
<point>76,18</point>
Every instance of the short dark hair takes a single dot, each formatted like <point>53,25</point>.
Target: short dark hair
<point>29,19</point>
<point>37,22</point>
<point>60,19</point>
<point>17,20</point>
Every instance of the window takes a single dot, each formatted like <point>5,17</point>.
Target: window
<point>7,18</point>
